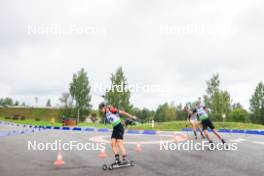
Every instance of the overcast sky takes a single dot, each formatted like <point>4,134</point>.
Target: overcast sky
<point>176,45</point>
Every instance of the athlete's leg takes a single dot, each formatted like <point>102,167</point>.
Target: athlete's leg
<point>212,127</point>
<point>115,149</point>
<point>121,146</point>
<point>204,125</point>
<point>114,146</point>
<point>200,130</point>
<point>217,135</point>
<point>123,150</point>
<point>206,135</point>
<point>197,126</point>
<point>194,129</point>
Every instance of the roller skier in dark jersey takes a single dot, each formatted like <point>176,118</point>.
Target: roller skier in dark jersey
<point>202,113</point>
<point>113,116</point>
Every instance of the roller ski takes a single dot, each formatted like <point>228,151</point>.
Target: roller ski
<point>118,164</point>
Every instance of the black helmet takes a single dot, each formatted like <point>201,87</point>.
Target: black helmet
<point>101,105</point>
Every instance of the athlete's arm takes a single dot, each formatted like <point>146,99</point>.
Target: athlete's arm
<point>189,113</point>
<point>127,115</point>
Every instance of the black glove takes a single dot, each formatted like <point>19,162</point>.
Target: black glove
<point>128,121</point>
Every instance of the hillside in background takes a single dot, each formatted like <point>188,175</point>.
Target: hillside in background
<point>30,113</point>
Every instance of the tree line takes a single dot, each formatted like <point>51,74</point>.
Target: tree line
<point>76,102</point>
<point>9,102</point>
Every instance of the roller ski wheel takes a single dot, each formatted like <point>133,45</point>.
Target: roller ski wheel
<point>105,167</point>
<point>132,163</point>
<point>111,167</point>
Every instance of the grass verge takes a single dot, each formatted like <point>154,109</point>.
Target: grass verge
<point>163,126</point>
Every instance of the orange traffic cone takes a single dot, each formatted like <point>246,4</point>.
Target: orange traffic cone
<point>59,161</point>
<point>138,147</point>
<point>102,154</point>
<point>175,137</point>
<point>178,138</point>
<point>185,137</point>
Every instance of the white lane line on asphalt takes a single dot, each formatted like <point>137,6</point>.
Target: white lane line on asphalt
<point>238,140</point>
<point>101,139</point>
<point>257,142</point>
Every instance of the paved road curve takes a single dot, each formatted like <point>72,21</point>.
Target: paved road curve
<point>16,160</point>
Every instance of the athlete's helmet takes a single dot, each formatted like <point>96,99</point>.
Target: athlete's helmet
<point>101,105</point>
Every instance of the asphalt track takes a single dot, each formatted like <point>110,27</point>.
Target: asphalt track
<point>16,160</point>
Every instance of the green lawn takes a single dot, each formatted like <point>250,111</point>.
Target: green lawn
<point>48,123</point>
<point>30,113</point>
<point>164,126</point>
<point>178,125</point>
<point>30,122</point>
